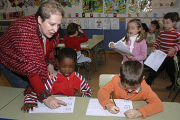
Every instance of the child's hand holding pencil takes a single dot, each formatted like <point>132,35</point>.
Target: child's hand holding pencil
<point>77,92</point>
<point>112,108</point>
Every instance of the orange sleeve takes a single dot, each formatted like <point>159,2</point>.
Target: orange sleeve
<point>154,104</point>
<point>104,93</point>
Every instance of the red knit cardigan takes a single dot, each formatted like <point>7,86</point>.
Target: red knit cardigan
<point>21,51</point>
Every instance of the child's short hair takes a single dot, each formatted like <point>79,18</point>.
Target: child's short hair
<point>131,72</point>
<point>173,16</point>
<point>145,27</point>
<point>72,28</point>
<point>155,22</point>
<point>67,53</point>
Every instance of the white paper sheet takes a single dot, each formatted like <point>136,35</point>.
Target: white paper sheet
<point>155,59</point>
<point>95,109</point>
<point>119,47</point>
<point>42,108</point>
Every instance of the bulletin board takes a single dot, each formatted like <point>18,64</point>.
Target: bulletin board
<point>77,8</point>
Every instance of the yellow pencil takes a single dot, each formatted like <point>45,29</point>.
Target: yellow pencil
<point>113,100</point>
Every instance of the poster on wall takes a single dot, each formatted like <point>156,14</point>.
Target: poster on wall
<point>95,6</point>
<point>115,24</point>
<point>136,6</point>
<point>98,23</point>
<point>3,4</point>
<point>106,24</point>
<point>163,3</point>
<point>115,6</point>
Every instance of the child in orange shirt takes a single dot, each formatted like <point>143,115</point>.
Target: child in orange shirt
<point>130,85</point>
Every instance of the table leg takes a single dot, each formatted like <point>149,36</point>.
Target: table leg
<point>96,60</point>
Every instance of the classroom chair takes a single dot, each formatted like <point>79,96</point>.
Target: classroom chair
<point>105,78</point>
<point>79,65</point>
<point>176,85</point>
<point>101,46</point>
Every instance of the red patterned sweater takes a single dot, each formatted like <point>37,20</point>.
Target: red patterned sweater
<point>21,51</point>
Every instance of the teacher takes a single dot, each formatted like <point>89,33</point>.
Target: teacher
<point>27,50</point>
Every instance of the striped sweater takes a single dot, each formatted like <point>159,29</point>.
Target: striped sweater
<point>61,85</point>
<point>21,52</point>
<point>167,40</point>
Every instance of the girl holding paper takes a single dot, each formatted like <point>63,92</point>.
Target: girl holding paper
<point>133,41</point>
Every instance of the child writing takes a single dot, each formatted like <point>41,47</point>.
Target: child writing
<point>67,82</point>
<point>169,42</point>
<point>154,30</point>
<point>133,41</point>
<point>73,41</point>
<point>130,85</point>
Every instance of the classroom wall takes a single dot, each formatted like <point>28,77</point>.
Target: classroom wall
<point>110,35</point>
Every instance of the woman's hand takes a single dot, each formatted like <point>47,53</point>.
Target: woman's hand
<point>27,107</point>
<point>53,103</point>
<point>112,109</point>
<point>51,71</point>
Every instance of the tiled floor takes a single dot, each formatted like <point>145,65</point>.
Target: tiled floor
<point>111,66</point>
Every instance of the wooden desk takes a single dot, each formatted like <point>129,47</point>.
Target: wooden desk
<point>13,111</point>
<point>7,94</point>
<point>90,46</point>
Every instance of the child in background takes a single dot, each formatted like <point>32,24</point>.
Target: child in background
<point>169,42</point>
<point>154,30</point>
<point>73,41</point>
<point>130,85</point>
<point>133,41</point>
<point>145,29</point>
<point>67,82</point>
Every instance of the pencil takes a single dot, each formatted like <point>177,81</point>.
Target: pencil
<point>77,90</point>
<point>113,100</point>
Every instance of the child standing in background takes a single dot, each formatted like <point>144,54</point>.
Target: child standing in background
<point>67,82</point>
<point>133,41</point>
<point>145,29</point>
<point>169,42</point>
<point>73,41</point>
<point>130,85</point>
<point>154,30</point>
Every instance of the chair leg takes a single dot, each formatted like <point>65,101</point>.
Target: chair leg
<point>164,74</point>
<point>101,57</point>
<point>78,68</point>
<point>90,74</point>
<point>86,73</point>
<point>104,54</point>
<point>176,92</point>
<point>171,91</point>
